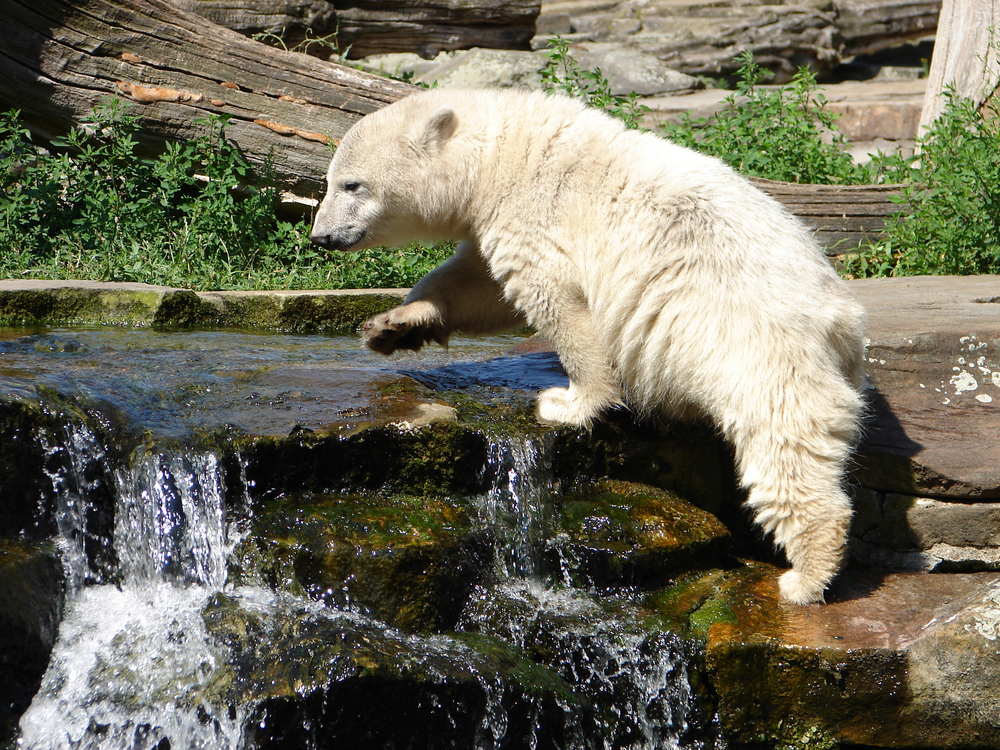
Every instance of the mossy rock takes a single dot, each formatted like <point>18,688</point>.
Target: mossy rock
<point>31,605</point>
<point>616,533</point>
<point>312,678</point>
<point>772,691</point>
<point>439,459</point>
<point>410,561</point>
<point>83,304</point>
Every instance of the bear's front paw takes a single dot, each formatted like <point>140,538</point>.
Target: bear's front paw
<point>563,406</point>
<point>794,588</point>
<point>400,328</point>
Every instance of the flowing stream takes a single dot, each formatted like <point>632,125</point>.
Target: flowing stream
<point>138,666</point>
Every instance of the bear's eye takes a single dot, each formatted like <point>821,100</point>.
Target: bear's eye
<point>351,187</point>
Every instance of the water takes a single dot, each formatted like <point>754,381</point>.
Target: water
<point>157,649</point>
<point>608,656</point>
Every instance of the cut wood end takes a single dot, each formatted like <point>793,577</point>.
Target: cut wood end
<point>217,102</point>
<point>308,135</point>
<point>230,85</point>
<point>292,99</point>
<point>129,57</point>
<point>152,94</point>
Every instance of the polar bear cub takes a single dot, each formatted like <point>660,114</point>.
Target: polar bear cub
<point>663,279</point>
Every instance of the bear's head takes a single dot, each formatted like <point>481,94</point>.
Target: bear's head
<point>387,182</point>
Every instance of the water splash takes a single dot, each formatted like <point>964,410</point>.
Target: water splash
<point>75,463</point>
<point>169,521</point>
<point>129,670</point>
<point>638,677</point>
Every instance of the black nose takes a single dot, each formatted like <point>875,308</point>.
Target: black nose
<point>323,240</point>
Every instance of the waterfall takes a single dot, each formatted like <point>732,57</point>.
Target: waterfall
<point>131,660</point>
<point>137,665</point>
<point>515,505</point>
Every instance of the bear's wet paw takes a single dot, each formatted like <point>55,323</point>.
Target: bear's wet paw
<point>389,331</point>
<point>562,406</point>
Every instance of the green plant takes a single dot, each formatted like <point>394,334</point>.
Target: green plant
<point>781,133</point>
<point>199,215</point>
<point>951,193</point>
<point>562,73</point>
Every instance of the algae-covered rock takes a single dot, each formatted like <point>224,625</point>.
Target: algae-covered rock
<point>617,533</point>
<point>326,679</point>
<point>31,602</point>
<point>410,561</point>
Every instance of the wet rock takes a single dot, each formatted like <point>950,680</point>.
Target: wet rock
<point>625,534</point>
<point>31,603</point>
<point>408,561</point>
<point>314,675</point>
<point>885,662</point>
<point>644,681</point>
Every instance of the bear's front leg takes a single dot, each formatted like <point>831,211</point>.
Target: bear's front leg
<point>593,386</point>
<point>408,326</point>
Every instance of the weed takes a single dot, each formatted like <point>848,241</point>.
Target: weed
<point>783,133</point>
<point>562,73</point>
<point>199,215</point>
<point>951,190</point>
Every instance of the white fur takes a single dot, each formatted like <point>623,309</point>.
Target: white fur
<point>663,279</point>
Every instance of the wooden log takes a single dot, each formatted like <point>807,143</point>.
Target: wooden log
<point>60,57</point>
<point>367,27</point>
<point>427,27</point>
<point>966,56</point>
<point>843,216</point>
<point>702,37</point>
<point>291,21</point>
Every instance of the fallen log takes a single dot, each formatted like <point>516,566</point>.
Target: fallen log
<point>368,27</point>
<point>61,57</point>
<point>843,216</point>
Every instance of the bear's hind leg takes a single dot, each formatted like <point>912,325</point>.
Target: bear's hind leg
<point>794,474</point>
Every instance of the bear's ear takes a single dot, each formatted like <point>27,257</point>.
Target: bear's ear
<point>439,128</point>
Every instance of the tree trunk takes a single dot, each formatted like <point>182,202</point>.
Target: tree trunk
<point>367,27</point>
<point>60,57</point>
<point>966,56</point>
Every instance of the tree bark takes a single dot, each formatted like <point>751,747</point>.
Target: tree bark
<point>966,56</point>
<point>61,57</point>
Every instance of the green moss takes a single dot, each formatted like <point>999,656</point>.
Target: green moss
<point>77,306</point>
<point>185,309</point>
<point>332,314</point>
<point>260,312</point>
<point>409,560</point>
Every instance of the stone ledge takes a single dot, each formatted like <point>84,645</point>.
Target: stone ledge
<point>32,302</point>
